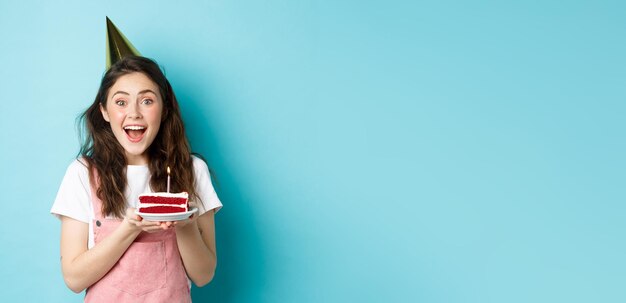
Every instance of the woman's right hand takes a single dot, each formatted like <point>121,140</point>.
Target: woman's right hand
<point>148,226</point>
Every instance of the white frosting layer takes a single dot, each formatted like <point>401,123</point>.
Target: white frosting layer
<point>146,205</point>
<point>166,195</point>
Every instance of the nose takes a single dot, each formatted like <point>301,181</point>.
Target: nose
<point>133,111</point>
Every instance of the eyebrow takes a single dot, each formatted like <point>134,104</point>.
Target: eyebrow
<point>125,93</point>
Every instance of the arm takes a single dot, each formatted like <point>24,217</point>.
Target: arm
<point>196,243</point>
<point>83,267</point>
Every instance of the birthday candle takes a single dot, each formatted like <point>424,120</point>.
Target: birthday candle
<point>168,179</point>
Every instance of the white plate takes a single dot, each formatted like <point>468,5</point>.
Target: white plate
<point>168,217</point>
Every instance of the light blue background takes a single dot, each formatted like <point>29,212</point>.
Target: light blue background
<point>365,151</point>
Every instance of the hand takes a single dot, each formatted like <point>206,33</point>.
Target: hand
<point>147,226</point>
<point>189,220</point>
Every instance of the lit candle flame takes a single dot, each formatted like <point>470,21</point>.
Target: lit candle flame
<point>168,170</point>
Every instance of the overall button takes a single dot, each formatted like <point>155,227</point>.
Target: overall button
<point>98,223</point>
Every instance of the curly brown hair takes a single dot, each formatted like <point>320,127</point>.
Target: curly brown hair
<point>105,156</point>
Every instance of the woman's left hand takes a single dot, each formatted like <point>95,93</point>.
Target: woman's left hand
<point>189,220</point>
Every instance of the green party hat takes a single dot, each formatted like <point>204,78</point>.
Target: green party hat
<point>118,46</point>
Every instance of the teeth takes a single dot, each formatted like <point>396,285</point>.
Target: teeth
<point>133,127</point>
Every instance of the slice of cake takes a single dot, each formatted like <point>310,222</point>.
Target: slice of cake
<point>163,203</point>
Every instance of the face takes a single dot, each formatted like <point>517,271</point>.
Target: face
<point>133,108</point>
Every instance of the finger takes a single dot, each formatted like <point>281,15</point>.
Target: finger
<point>166,225</point>
<point>150,223</point>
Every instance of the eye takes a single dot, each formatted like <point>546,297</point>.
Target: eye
<point>120,102</point>
<point>147,101</point>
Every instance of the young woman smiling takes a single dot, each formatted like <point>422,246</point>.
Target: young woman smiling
<point>134,130</point>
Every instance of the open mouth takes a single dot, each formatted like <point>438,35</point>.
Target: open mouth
<point>134,132</point>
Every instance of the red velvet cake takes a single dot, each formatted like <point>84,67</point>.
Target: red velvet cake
<point>163,203</point>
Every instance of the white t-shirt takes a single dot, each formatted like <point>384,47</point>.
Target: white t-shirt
<point>74,197</point>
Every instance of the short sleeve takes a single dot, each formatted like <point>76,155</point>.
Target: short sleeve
<point>73,197</point>
<point>204,187</point>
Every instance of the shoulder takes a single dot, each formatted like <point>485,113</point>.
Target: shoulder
<point>77,174</point>
<point>78,168</point>
<point>202,173</point>
<point>199,166</point>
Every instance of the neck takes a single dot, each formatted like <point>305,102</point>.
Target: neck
<point>136,159</point>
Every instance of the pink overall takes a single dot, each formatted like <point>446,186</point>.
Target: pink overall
<point>151,270</point>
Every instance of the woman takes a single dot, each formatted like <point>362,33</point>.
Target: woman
<point>134,130</point>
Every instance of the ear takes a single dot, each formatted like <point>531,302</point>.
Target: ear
<point>105,114</point>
